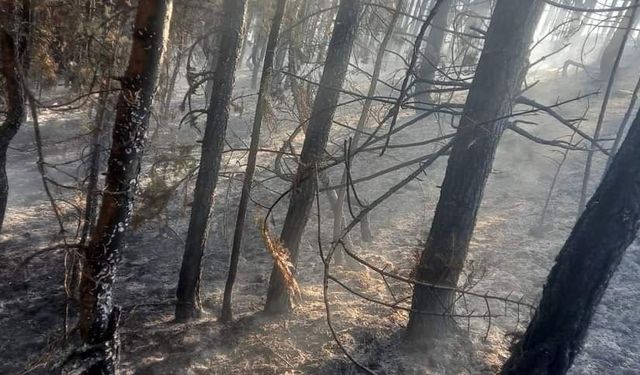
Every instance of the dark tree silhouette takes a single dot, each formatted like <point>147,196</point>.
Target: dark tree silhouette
<point>14,93</point>
<point>313,150</point>
<point>501,69</point>
<point>265,84</point>
<point>583,268</point>
<point>99,316</point>
<point>212,147</point>
<point>432,52</point>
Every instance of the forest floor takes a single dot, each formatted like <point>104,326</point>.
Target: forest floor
<point>510,253</point>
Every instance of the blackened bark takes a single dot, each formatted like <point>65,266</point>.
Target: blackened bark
<point>497,80</point>
<point>620,40</point>
<point>14,91</point>
<point>212,146</point>
<point>213,54</point>
<point>95,164</point>
<point>432,52</point>
<point>623,124</point>
<point>583,268</point>
<point>313,150</point>
<point>265,83</point>
<point>98,316</point>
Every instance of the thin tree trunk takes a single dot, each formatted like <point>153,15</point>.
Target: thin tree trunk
<point>338,214</point>
<point>257,54</point>
<point>613,32</point>
<point>583,268</point>
<point>99,143</point>
<point>338,220</point>
<point>623,123</point>
<point>99,316</point>
<point>166,110</point>
<point>500,72</point>
<point>213,54</point>
<point>97,146</point>
<point>421,12</point>
<point>300,98</point>
<point>319,50</point>
<point>620,44</point>
<point>212,147</point>
<point>279,64</point>
<point>90,213</point>
<point>265,83</point>
<point>14,91</point>
<point>432,52</point>
<point>324,106</point>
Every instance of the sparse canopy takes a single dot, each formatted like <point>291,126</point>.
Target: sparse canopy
<point>319,186</point>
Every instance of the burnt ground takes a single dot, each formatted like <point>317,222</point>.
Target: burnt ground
<point>510,257</point>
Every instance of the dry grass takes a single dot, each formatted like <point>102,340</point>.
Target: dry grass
<point>281,259</point>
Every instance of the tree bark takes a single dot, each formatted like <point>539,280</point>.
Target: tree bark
<point>14,91</point>
<point>338,219</point>
<point>498,78</point>
<point>98,319</point>
<point>432,52</point>
<point>583,268</point>
<point>305,184</point>
<point>265,84</point>
<point>213,54</point>
<point>257,55</point>
<point>166,107</point>
<point>98,139</point>
<point>620,40</point>
<point>616,43</point>
<point>623,123</point>
<point>212,147</point>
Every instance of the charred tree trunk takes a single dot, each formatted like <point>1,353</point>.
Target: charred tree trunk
<point>98,316</point>
<point>498,78</point>
<point>623,123</point>
<point>99,143</point>
<point>616,43</point>
<point>317,38</point>
<point>213,54</point>
<point>277,84</point>
<point>338,220</point>
<point>432,52</point>
<point>14,91</point>
<point>166,107</point>
<point>265,83</point>
<point>305,184</point>
<point>212,146</point>
<point>103,116</point>
<point>620,40</point>
<point>583,268</point>
<point>257,54</point>
<point>295,56</point>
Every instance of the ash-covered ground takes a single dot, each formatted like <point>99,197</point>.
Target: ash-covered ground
<point>512,250</point>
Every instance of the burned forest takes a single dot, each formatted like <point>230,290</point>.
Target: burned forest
<point>319,187</point>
